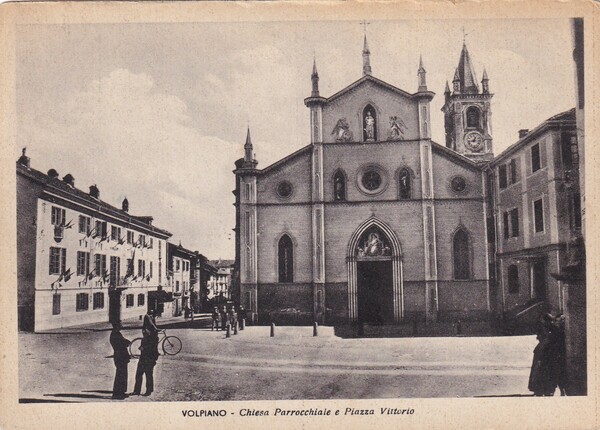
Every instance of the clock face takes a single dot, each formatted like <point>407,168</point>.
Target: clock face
<point>474,141</point>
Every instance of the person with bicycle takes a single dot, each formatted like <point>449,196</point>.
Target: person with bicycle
<point>149,325</point>
<point>147,361</point>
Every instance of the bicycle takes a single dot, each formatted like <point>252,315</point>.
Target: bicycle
<point>171,345</point>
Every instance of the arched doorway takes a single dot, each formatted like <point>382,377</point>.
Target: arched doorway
<point>375,293</point>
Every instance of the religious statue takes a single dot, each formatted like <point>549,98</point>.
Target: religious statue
<point>373,246</point>
<point>370,127</point>
<point>341,131</point>
<point>404,182</point>
<point>397,128</point>
<point>339,188</point>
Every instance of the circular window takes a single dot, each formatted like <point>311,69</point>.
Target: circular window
<point>459,184</point>
<point>284,189</point>
<point>372,179</point>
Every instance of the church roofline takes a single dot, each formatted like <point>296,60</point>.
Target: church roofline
<point>455,155</point>
<point>374,80</point>
<point>284,160</point>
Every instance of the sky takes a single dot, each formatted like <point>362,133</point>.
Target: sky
<point>158,113</point>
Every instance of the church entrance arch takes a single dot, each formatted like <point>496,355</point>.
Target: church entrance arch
<point>375,291</point>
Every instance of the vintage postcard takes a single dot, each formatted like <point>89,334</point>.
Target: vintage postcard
<point>299,215</point>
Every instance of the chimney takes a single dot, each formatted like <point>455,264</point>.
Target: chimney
<point>53,174</point>
<point>24,160</point>
<point>94,192</point>
<point>523,132</point>
<point>125,205</point>
<point>69,179</point>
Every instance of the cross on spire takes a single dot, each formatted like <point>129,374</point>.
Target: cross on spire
<point>465,35</point>
<point>364,23</point>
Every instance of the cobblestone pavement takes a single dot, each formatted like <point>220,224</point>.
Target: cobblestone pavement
<point>74,365</point>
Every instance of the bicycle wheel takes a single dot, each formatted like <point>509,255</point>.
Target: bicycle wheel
<point>171,345</point>
<point>135,347</point>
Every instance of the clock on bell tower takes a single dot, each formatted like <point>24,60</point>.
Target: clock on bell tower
<point>467,112</point>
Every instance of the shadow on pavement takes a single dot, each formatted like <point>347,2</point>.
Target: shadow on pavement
<point>29,400</point>
<point>78,395</point>
<point>506,395</point>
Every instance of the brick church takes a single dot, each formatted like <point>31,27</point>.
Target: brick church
<point>372,221</point>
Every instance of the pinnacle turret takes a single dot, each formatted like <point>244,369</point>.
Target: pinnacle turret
<point>248,147</point>
<point>366,58</point>
<point>422,74</point>
<point>315,80</point>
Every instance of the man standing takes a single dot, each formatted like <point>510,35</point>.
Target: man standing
<point>121,359</point>
<point>146,363</point>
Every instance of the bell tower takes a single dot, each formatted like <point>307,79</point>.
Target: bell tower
<point>467,112</point>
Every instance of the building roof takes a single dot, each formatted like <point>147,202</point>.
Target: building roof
<point>220,263</point>
<point>566,117</point>
<point>64,190</point>
<point>180,250</point>
<point>466,73</point>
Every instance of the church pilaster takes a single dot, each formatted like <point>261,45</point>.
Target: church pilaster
<point>318,233</point>
<point>429,248</point>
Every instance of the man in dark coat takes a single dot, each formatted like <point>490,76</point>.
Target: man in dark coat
<point>224,318</point>
<point>146,363</point>
<point>121,359</point>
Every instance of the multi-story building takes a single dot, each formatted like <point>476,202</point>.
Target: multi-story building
<point>81,260</point>
<point>220,281</point>
<point>180,276</point>
<point>538,212</point>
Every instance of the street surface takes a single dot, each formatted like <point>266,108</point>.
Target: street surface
<point>74,365</point>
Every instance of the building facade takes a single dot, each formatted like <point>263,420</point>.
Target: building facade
<point>220,282</point>
<point>79,259</point>
<point>181,277</point>
<point>372,221</point>
<point>538,212</point>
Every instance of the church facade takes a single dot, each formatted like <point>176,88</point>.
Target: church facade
<point>372,221</point>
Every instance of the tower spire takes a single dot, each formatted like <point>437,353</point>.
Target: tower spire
<point>466,73</point>
<point>315,79</point>
<point>366,57</point>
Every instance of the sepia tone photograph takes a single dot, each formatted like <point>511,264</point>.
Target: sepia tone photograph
<point>296,210</point>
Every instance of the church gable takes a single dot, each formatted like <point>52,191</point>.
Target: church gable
<point>286,181</point>
<point>454,175</point>
<point>370,110</point>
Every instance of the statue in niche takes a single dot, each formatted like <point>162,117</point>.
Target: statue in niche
<point>404,183</point>
<point>369,127</point>
<point>341,131</point>
<point>339,187</point>
<point>397,128</point>
<point>373,246</point>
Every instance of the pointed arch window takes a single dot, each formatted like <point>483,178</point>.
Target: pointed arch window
<point>369,124</point>
<point>473,117</point>
<point>404,184</point>
<point>339,186</point>
<point>461,254</point>
<point>286,259</point>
